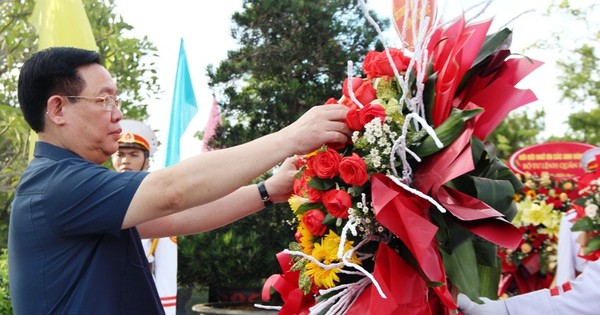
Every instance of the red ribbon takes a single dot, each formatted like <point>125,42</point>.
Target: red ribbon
<point>286,284</point>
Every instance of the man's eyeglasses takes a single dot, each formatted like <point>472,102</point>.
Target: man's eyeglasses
<point>109,102</point>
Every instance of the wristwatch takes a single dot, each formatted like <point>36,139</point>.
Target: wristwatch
<point>264,195</point>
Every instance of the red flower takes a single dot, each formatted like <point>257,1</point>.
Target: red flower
<point>370,112</point>
<point>337,203</point>
<point>325,164</point>
<point>376,63</point>
<point>313,220</point>
<point>353,120</point>
<point>357,119</point>
<point>300,185</point>
<point>314,195</point>
<point>363,91</point>
<point>353,170</point>
<point>331,100</point>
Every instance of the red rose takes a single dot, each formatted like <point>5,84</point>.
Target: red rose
<point>325,164</point>
<point>363,90</point>
<point>331,100</point>
<point>353,120</point>
<point>353,170</point>
<point>376,63</point>
<point>300,185</point>
<point>337,202</point>
<point>314,195</point>
<point>370,112</point>
<point>358,118</point>
<point>313,220</point>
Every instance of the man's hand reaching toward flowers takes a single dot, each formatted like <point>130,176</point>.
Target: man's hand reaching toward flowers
<point>281,184</point>
<point>320,124</point>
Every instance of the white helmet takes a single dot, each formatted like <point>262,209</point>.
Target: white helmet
<point>137,134</point>
<point>588,159</point>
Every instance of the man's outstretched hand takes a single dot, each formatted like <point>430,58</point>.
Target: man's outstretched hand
<point>489,307</point>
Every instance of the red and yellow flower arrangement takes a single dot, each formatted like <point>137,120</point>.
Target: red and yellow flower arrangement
<point>413,209</point>
<point>588,220</point>
<point>540,206</point>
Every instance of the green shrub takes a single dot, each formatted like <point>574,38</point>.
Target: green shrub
<point>5,305</point>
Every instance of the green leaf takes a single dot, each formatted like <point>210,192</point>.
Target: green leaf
<point>429,96</point>
<point>310,206</point>
<point>493,43</point>
<point>461,269</point>
<point>489,279</point>
<point>446,132</point>
<point>592,245</point>
<point>498,194</point>
<point>321,184</point>
<point>487,252</point>
<point>585,224</point>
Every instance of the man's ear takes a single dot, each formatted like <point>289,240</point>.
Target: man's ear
<point>55,109</point>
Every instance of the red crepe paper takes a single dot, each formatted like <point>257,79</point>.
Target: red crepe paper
<point>405,290</point>
<point>499,96</point>
<point>406,215</point>
<point>446,165</point>
<point>479,218</point>
<point>454,50</point>
<point>295,302</point>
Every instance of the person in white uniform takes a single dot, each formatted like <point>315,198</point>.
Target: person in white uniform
<point>572,294</point>
<point>137,144</point>
<point>580,296</point>
<point>569,263</point>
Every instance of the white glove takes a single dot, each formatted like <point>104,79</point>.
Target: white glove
<point>489,307</point>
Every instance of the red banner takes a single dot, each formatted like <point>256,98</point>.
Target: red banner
<point>561,159</point>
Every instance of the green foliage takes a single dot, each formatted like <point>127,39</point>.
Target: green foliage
<point>5,304</point>
<point>518,130</point>
<point>13,159</point>
<point>293,56</point>
<point>240,254</point>
<point>17,37</point>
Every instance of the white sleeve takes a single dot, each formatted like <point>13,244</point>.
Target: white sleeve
<point>581,297</point>
<point>165,273</point>
<point>568,261</point>
<point>565,268</point>
<point>147,244</point>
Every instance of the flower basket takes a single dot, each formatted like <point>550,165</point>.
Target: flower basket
<point>413,209</point>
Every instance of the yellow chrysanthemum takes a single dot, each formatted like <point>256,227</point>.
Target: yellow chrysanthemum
<point>306,238</point>
<point>326,253</point>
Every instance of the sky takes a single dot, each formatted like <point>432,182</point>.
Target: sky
<point>205,29</point>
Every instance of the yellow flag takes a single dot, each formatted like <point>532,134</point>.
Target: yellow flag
<point>60,23</point>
